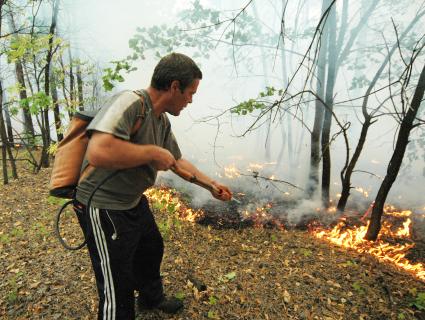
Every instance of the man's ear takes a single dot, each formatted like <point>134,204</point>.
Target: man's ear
<point>175,85</point>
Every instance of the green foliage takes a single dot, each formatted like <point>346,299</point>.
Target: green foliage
<point>350,263</point>
<point>56,201</point>
<point>37,102</point>
<point>53,148</point>
<point>358,288</point>
<point>12,294</point>
<point>25,46</point>
<point>251,105</point>
<point>247,107</point>
<point>359,82</point>
<point>4,238</point>
<point>40,229</point>
<point>306,252</point>
<point>112,75</point>
<point>212,315</point>
<point>228,277</point>
<point>212,300</point>
<point>196,31</point>
<point>180,295</point>
<point>419,301</point>
<point>17,232</point>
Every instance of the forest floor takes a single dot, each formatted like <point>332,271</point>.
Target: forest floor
<point>250,273</point>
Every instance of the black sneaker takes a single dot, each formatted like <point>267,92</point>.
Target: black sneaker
<point>167,305</point>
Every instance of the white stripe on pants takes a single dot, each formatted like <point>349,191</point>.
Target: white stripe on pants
<point>109,306</point>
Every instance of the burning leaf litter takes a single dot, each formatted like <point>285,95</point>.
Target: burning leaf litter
<point>342,234</point>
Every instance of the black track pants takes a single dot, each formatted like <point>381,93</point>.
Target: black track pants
<point>126,250</point>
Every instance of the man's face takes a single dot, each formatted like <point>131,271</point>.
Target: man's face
<point>179,99</point>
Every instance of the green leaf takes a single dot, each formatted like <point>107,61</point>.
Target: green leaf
<point>230,275</point>
<point>306,252</point>
<point>212,315</point>
<point>180,295</point>
<point>419,302</point>
<point>212,300</point>
<point>356,286</point>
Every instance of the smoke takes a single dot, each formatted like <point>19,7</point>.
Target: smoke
<point>282,145</point>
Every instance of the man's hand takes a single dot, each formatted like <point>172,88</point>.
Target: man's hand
<point>223,193</point>
<point>163,159</point>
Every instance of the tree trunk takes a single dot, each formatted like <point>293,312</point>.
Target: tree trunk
<point>8,121</point>
<point>71,81</point>
<point>6,148</point>
<point>47,71</point>
<point>346,172</point>
<point>56,111</point>
<point>346,178</point>
<point>63,85</point>
<point>19,71</point>
<point>4,142</point>
<point>326,130</point>
<point>319,110</point>
<point>396,159</point>
<point>80,88</point>
<point>28,124</point>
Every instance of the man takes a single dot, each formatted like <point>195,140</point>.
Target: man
<point>124,243</point>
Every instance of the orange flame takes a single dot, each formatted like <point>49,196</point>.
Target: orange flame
<point>168,200</point>
<point>393,253</point>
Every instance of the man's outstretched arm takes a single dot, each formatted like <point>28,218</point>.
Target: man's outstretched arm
<point>220,191</point>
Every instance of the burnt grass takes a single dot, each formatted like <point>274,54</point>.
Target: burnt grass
<point>222,267</point>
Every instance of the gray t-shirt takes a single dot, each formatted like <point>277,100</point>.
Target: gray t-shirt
<point>118,117</point>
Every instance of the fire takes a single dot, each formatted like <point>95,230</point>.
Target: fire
<point>393,253</point>
<point>404,213</point>
<point>255,167</point>
<point>362,191</point>
<point>404,232</point>
<point>231,172</point>
<point>167,199</point>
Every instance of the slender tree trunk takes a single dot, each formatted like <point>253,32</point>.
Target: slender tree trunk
<point>3,137</point>
<point>347,171</point>
<point>19,71</point>
<point>47,72</point>
<point>337,54</point>
<point>8,121</point>
<point>319,109</point>
<point>6,148</point>
<point>80,87</point>
<point>28,124</point>
<point>396,159</point>
<point>56,111</point>
<point>71,81</point>
<point>4,142</point>
<point>63,85</point>
<point>327,122</point>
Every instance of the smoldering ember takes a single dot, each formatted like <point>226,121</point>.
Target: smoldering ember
<point>285,174</point>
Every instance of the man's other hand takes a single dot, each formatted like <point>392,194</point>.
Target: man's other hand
<point>163,159</point>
